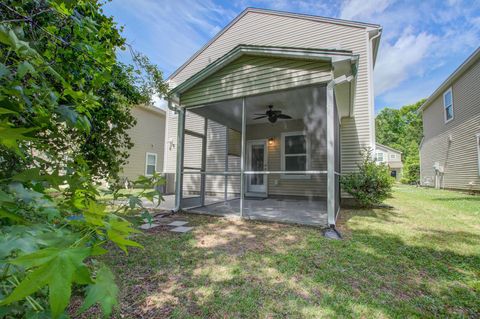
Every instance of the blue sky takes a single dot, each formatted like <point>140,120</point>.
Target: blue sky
<point>423,41</point>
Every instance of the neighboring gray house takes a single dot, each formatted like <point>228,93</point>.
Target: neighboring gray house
<point>390,157</point>
<point>450,149</point>
<point>148,137</point>
<point>266,116</point>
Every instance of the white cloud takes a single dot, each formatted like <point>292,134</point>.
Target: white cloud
<point>363,9</point>
<point>169,32</point>
<point>315,7</point>
<point>399,61</point>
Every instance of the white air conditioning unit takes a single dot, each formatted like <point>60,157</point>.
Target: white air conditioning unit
<point>437,167</point>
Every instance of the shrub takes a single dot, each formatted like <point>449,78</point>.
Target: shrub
<point>412,170</point>
<point>371,184</point>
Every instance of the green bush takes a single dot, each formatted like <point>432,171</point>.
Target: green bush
<point>64,120</point>
<point>412,170</point>
<point>371,184</point>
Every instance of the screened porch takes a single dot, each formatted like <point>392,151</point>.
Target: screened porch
<point>239,161</point>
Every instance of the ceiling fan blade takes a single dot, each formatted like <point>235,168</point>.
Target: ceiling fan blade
<point>277,111</point>
<point>259,114</point>
<point>260,117</point>
<point>284,116</point>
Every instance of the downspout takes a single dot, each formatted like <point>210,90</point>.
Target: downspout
<point>371,88</point>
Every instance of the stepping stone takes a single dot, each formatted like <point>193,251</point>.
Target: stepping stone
<point>181,229</point>
<point>178,223</point>
<point>148,226</point>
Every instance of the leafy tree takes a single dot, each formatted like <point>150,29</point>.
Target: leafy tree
<point>371,184</point>
<point>64,110</point>
<point>402,129</point>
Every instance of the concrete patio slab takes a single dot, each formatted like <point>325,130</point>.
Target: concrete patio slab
<point>148,226</point>
<point>297,211</point>
<point>177,223</point>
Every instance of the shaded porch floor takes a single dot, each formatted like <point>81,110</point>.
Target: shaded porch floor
<point>296,211</point>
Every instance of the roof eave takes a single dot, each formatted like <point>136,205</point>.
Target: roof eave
<point>450,79</point>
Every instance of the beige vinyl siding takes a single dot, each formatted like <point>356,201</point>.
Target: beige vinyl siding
<point>148,135</point>
<point>234,142</point>
<point>275,30</point>
<point>215,157</point>
<point>255,75</point>
<point>193,153</point>
<point>278,185</point>
<point>171,142</point>
<point>453,144</point>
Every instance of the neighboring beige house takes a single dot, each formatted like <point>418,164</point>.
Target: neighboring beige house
<point>264,118</point>
<point>390,157</point>
<point>148,136</point>
<point>450,149</point>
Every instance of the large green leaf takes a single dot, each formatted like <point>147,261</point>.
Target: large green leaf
<point>119,230</point>
<point>13,217</point>
<point>10,136</point>
<point>53,267</point>
<point>104,291</point>
<point>24,68</point>
<point>4,38</point>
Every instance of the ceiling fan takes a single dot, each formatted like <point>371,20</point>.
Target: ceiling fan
<point>272,115</point>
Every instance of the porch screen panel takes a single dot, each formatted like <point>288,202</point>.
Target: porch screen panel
<point>192,166</point>
<point>211,164</point>
<point>252,75</point>
<point>337,160</point>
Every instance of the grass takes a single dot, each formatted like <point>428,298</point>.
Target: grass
<point>419,259</point>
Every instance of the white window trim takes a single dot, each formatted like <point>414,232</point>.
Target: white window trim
<point>383,157</point>
<point>282,157</point>
<point>146,162</point>
<point>393,156</point>
<point>478,152</point>
<point>445,107</point>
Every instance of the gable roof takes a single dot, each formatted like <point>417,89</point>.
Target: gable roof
<point>387,148</point>
<point>286,14</point>
<point>242,49</point>
<point>473,58</point>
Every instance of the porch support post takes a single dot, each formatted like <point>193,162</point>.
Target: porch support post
<point>203,177</point>
<point>226,163</point>
<point>180,153</point>
<point>330,154</point>
<point>242,158</point>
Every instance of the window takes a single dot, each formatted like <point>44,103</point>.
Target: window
<point>150,164</point>
<point>393,156</point>
<point>295,153</point>
<point>379,157</point>
<point>448,105</point>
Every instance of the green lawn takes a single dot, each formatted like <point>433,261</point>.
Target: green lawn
<point>418,259</point>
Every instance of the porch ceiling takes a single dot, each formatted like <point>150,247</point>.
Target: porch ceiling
<point>299,103</point>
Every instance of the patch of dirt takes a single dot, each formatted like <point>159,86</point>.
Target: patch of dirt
<point>238,236</point>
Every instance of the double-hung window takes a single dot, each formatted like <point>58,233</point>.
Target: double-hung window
<point>448,105</point>
<point>393,156</point>
<point>295,154</point>
<point>150,164</point>
<point>379,157</point>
